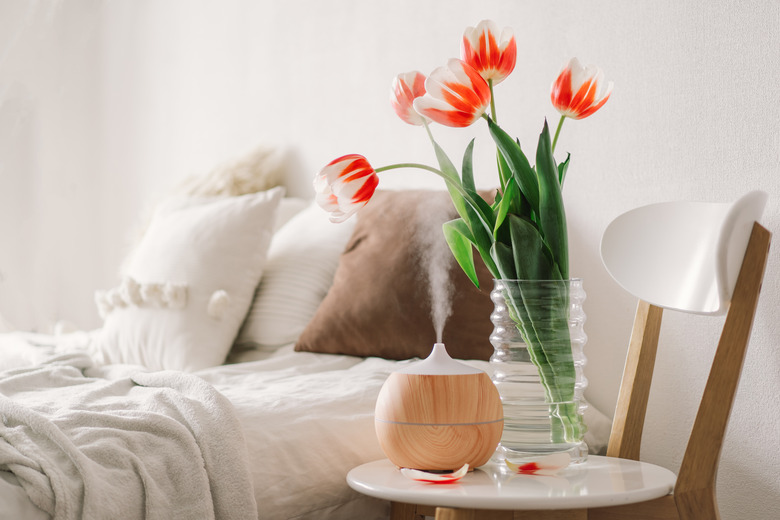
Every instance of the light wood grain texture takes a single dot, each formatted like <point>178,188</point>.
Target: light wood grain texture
<point>419,512</point>
<point>566,514</point>
<point>447,513</point>
<point>430,399</point>
<point>626,437</point>
<point>695,489</point>
<point>426,510</point>
<point>694,494</point>
<point>438,422</point>
<point>402,511</point>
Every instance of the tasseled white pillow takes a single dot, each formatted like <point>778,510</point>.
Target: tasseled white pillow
<point>188,285</point>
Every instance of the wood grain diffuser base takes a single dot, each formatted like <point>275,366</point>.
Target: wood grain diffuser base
<point>439,414</point>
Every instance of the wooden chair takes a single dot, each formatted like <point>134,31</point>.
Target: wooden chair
<point>690,257</point>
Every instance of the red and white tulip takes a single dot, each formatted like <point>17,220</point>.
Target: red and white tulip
<point>579,91</point>
<point>490,53</point>
<point>345,185</point>
<point>456,95</point>
<point>406,88</point>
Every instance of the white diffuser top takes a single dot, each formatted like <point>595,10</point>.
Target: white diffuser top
<point>439,363</point>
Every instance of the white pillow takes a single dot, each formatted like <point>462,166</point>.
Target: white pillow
<point>302,261</point>
<point>288,208</point>
<point>189,283</point>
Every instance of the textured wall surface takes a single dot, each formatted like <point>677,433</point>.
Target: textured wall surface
<point>106,105</point>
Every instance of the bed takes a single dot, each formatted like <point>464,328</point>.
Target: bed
<point>306,419</point>
<point>237,368</point>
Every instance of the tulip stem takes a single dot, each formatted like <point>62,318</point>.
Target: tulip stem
<point>451,180</point>
<point>428,131</point>
<point>410,165</point>
<point>557,133</point>
<point>457,185</point>
<point>492,101</point>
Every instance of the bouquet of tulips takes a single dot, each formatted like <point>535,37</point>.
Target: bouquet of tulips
<point>522,233</point>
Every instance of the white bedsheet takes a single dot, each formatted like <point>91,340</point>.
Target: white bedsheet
<point>309,420</point>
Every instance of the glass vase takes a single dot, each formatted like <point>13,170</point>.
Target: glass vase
<point>537,366</point>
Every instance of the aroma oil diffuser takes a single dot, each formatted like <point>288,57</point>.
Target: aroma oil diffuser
<point>439,414</point>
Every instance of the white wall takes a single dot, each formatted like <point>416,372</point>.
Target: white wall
<point>47,161</point>
<point>105,105</point>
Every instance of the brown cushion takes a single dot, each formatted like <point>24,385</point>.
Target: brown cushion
<point>379,303</point>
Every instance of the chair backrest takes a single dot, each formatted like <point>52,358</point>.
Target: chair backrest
<point>682,255</point>
<point>720,268</point>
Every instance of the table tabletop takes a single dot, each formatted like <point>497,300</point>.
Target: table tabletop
<point>597,482</point>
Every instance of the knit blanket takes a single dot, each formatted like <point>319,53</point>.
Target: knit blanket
<point>143,444</point>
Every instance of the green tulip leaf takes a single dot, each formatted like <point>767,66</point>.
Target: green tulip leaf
<point>552,217</point>
<point>504,260</point>
<point>562,168</point>
<point>504,172</point>
<point>511,194</point>
<point>468,170</point>
<point>460,240</point>
<point>521,169</point>
<point>532,256</point>
<point>472,209</point>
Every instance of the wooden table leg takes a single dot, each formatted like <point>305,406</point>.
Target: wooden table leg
<point>561,514</point>
<point>401,511</point>
<point>447,513</point>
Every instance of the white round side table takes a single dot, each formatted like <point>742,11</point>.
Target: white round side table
<point>597,482</point>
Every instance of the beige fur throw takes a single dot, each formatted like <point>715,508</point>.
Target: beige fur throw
<point>261,169</point>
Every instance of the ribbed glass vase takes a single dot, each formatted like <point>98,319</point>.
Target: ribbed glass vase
<point>537,366</point>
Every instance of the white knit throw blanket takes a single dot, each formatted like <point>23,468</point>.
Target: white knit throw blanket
<point>152,445</point>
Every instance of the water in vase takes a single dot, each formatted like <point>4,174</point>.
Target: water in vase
<point>539,421</point>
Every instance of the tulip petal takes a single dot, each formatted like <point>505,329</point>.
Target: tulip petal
<point>579,91</point>
<point>579,74</point>
<point>456,95</point>
<point>435,478</point>
<point>492,55</point>
<point>547,465</point>
<point>405,89</point>
<point>345,185</point>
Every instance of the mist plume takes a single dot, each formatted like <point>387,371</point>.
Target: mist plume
<point>436,258</point>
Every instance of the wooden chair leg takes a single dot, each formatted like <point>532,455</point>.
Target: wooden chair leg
<point>695,488</point>
<point>698,504</point>
<point>625,439</point>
